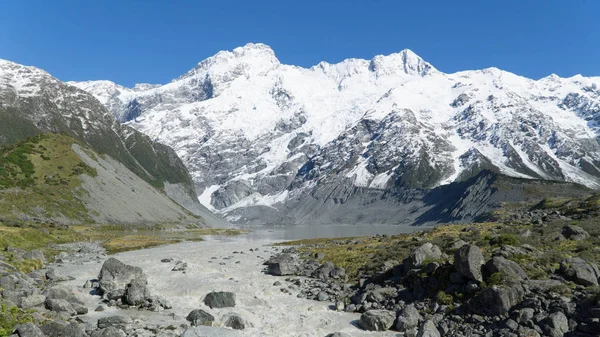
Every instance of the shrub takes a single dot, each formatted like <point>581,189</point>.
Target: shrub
<point>445,299</point>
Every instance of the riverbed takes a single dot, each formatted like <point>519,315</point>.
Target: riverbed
<point>228,264</point>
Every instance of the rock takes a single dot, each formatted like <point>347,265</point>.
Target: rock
<point>109,332</point>
<point>427,251</point>
<point>62,293</point>
<point>322,296</point>
<point>457,244</point>
<point>338,334</point>
<point>428,329</point>
<point>200,317</point>
<point>100,308</point>
<point>57,329</point>
<point>574,232</point>
<point>408,318</point>
<point>577,270</point>
<point>51,275</point>
<point>88,284</point>
<point>235,321</point>
<point>119,322</point>
<point>277,284</point>
<point>338,273</point>
<point>510,269</point>
<point>136,292</point>
<point>32,301</point>
<point>58,305</point>
<point>282,265</point>
<point>34,255</point>
<point>180,266</point>
<point>496,301</point>
<point>119,273</point>
<point>377,320</point>
<point>29,330</point>
<point>167,260</point>
<point>556,325</point>
<point>324,271</point>
<point>340,306</point>
<point>468,261</point>
<point>220,299</point>
<point>525,315</point>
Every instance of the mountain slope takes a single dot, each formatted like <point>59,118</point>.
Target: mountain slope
<point>33,102</point>
<point>260,138</point>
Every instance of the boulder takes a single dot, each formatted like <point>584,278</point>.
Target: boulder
<point>119,273</point>
<point>338,334</point>
<point>510,269</point>
<point>35,255</point>
<point>577,270</point>
<point>235,322</point>
<point>180,266</point>
<point>220,299</point>
<point>62,293</point>
<point>58,305</point>
<point>408,318</point>
<point>556,325</point>
<point>377,320</point>
<point>61,329</point>
<point>428,329</point>
<point>109,332</point>
<point>136,292</point>
<point>200,317</point>
<point>29,330</point>
<point>324,271</point>
<point>574,232</point>
<point>32,301</point>
<point>119,322</point>
<point>426,251</point>
<point>495,301</point>
<point>468,261</point>
<point>281,265</point>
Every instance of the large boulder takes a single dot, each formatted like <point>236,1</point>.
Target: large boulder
<point>556,325</point>
<point>60,306</point>
<point>408,318</point>
<point>32,301</point>
<point>510,269</point>
<point>119,322</point>
<point>235,322</point>
<point>495,301</point>
<point>119,273</point>
<point>220,299</point>
<point>428,329</point>
<point>200,317</point>
<point>468,261</point>
<point>282,264</point>
<point>577,270</point>
<point>29,330</point>
<point>324,271</point>
<point>377,320</point>
<point>573,232</point>
<point>54,328</point>
<point>426,251</point>
<point>136,292</point>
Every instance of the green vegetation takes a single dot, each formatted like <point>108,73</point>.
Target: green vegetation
<point>12,316</point>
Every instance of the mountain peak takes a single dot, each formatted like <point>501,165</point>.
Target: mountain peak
<point>406,61</point>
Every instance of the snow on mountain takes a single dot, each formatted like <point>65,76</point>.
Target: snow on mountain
<point>257,133</point>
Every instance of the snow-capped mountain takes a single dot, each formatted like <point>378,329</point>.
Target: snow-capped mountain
<point>260,138</point>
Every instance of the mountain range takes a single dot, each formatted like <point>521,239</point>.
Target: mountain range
<point>362,141</point>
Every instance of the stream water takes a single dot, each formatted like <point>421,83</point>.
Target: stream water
<point>225,263</point>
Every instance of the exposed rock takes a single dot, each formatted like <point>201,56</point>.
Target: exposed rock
<point>377,320</point>
<point>180,266</point>
<point>574,232</point>
<point>32,301</point>
<point>468,261</point>
<point>408,318</point>
<point>109,332</point>
<point>58,305</point>
<point>510,269</point>
<point>136,292</point>
<point>322,296</point>
<point>51,275</point>
<point>119,273</point>
<point>338,334</point>
<point>324,270</point>
<point>29,330</point>
<point>119,322</point>
<point>57,329</point>
<point>580,272</point>
<point>556,325</point>
<point>167,260</point>
<point>235,321</point>
<point>200,317</point>
<point>427,251</point>
<point>220,299</point>
<point>495,301</point>
<point>281,265</point>
<point>428,329</point>
<point>35,255</point>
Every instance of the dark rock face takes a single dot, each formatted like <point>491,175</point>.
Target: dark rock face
<point>119,273</point>
<point>468,261</point>
<point>220,299</point>
<point>495,301</point>
<point>200,317</point>
<point>580,272</point>
<point>377,320</point>
<point>510,269</point>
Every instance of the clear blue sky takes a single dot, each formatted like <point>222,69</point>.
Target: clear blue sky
<point>155,41</point>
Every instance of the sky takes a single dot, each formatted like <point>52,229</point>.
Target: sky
<point>154,41</point>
